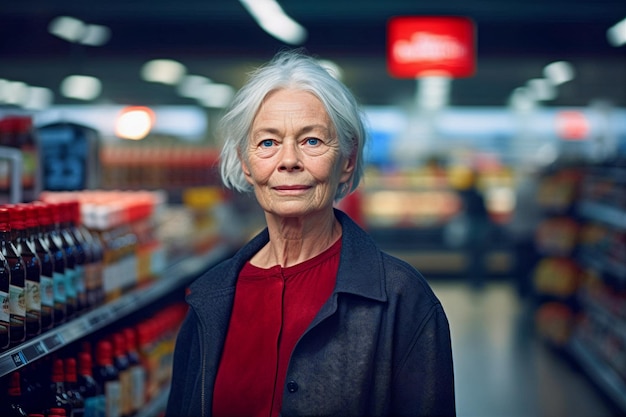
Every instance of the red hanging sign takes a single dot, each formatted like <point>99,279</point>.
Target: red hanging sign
<point>438,45</point>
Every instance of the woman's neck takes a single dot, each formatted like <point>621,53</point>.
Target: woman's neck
<point>296,239</point>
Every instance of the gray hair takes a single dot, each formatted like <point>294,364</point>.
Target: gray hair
<point>291,69</point>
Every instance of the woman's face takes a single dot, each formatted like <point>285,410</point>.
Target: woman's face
<point>293,159</point>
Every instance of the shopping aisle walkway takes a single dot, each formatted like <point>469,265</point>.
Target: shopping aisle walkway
<point>501,368</point>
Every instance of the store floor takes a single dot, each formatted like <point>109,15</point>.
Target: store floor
<point>501,368</point>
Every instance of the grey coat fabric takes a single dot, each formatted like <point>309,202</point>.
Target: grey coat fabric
<point>380,345</point>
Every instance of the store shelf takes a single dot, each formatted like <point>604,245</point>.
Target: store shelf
<point>175,276</point>
<point>603,213</point>
<point>600,372</point>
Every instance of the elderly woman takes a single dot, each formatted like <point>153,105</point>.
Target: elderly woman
<point>309,318</point>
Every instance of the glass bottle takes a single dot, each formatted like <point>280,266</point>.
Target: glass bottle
<point>69,250</point>
<point>74,396</point>
<point>13,405</point>
<point>88,387</point>
<point>17,292</point>
<point>26,249</point>
<point>70,244</point>
<point>137,371</point>
<point>107,377</point>
<point>5,309</point>
<point>84,255</point>
<point>120,361</point>
<point>38,218</point>
<point>58,396</point>
<point>59,262</point>
<point>93,269</point>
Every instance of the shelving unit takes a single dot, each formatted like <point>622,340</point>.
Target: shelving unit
<point>176,276</point>
<point>598,341</point>
<point>596,333</point>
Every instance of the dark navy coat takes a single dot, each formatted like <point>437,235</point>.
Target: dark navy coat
<point>380,345</point>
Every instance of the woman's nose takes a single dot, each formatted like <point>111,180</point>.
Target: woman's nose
<point>290,157</point>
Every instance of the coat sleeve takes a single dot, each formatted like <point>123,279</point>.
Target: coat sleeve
<point>424,380</point>
<point>185,368</point>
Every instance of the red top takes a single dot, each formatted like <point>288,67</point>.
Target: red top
<point>272,309</point>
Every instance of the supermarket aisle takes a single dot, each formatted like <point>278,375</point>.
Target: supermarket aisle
<point>501,369</point>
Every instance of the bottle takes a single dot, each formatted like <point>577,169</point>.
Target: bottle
<point>69,250</point>
<point>77,250</point>
<point>87,292</point>
<point>26,249</point>
<point>76,399</point>
<point>38,217</point>
<point>120,361</point>
<point>88,387</point>
<point>5,309</point>
<point>17,292</point>
<point>107,376</point>
<point>58,397</point>
<point>60,312</point>
<point>33,393</point>
<point>12,405</point>
<point>137,372</point>
<point>93,269</point>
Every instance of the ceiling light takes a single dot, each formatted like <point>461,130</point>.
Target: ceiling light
<point>38,98</point>
<point>166,71</point>
<point>541,89</point>
<point>95,35</point>
<point>76,31</point>
<point>191,85</point>
<point>68,28</point>
<point>559,72</point>
<point>216,95</point>
<point>271,18</point>
<point>616,34</point>
<point>522,100</point>
<point>14,92</point>
<point>81,87</point>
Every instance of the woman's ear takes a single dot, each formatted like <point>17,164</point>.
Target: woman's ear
<point>348,167</point>
<point>245,169</point>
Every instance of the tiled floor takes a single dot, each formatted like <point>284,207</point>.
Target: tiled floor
<point>501,369</point>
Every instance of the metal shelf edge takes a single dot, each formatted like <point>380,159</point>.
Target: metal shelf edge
<point>173,276</point>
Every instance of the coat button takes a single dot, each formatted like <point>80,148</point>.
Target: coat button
<point>292,386</point>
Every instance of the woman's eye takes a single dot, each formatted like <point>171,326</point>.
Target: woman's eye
<point>267,143</point>
<point>312,141</point>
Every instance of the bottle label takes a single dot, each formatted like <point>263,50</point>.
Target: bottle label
<point>33,296</point>
<point>95,406</point>
<point>70,284</point>
<point>47,291</point>
<point>80,279</point>
<point>112,392</point>
<point>17,301</point>
<point>138,377</point>
<point>5,313</point>
<point>58,281</point>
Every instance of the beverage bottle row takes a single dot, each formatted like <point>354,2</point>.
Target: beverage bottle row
<point>49,269</point>
<point>126,224</point>
<point>111,375</point>
<point>68,253</point>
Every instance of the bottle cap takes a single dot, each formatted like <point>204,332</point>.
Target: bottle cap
<point>15,389</point>
<point>104,353</point>
<point>70,370</point>
<point>85,363</point>
<point>58,374</point>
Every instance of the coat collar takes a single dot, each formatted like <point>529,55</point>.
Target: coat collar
<point>360,266</point>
